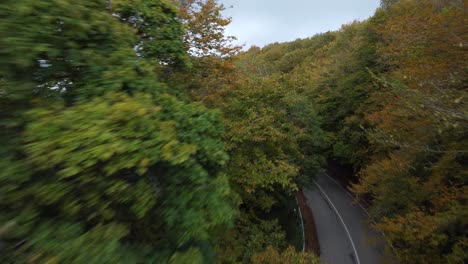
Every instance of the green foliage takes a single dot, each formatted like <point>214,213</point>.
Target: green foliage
<point>120,158</point>
<point>68,242</point>
<point>250,236</point>
<point>101,164</point>
<point>86,51</point>
<point>159,35</point>
<point>272,137</point>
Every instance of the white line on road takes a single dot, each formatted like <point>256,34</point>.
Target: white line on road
<point>342,221</point>
<point>363,208</point>
<point>346,191</point>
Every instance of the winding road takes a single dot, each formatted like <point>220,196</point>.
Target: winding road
<point>343,230</point>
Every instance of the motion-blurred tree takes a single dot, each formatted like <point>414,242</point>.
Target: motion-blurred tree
<point>101,164</point>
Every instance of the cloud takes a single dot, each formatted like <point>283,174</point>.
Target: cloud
<point>260,22</point>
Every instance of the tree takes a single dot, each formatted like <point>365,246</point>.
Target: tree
<point>205,29</point>
<point>417,177</point>
<point>212,53</point>
<point>102,162</point>
<point>271,256</point>
<point>386,4</point>
<point>272,138</point>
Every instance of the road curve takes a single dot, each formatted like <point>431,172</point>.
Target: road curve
<point>342,227</point>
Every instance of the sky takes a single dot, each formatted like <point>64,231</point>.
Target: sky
<point>260,22</point>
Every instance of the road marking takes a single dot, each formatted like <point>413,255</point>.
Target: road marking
<point>342,221</point>
<point>363,208</point>
<point>346,191</point>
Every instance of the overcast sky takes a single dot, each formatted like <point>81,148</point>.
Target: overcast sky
<point>260,22</point>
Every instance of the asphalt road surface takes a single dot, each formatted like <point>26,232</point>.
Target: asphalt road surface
<point>343,230</point>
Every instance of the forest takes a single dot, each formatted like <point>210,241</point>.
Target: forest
<point>135,131</point>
